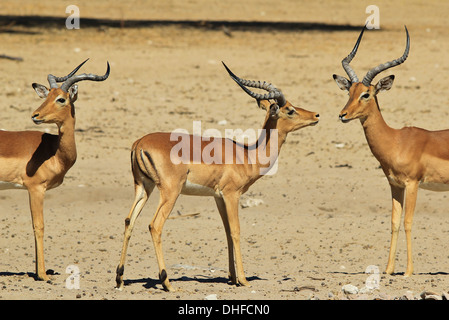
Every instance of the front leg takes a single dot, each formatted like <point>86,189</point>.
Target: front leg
<point>397,195</point>
<point>411,193</point>
<point>232,205</point>
<point>223,214</point>
<point>36,196</point>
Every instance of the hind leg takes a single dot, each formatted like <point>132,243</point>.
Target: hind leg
<point>142,192</point>
<point>167,201</point>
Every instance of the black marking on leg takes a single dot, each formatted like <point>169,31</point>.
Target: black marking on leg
<point>151,161</point>
<point>144,171</point>
<point>120,270</point>
<point>118,277</point>
<point>132,158</point>
<point>163,276</point>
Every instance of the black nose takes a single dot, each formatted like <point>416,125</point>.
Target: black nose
<point>36,121</point>
<point>317,115</point>
<point>343,115</point>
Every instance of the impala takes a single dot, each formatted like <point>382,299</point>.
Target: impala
<point>38,161</point>
<point>410,157</point>
<point>226,182</point>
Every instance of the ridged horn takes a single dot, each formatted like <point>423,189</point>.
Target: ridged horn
<point>52,80</point>
<point>384,66</point>
<point>92,77</point>
<point>273,92</point>
<point>345,62</point>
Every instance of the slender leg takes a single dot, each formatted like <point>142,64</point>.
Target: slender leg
<point>231,202</point>
<point>36,196</point>
<point>397,195</point>
<point>166,203</point>
<point>222,209</point>
<point>411,193</point>
<point>141,197</point>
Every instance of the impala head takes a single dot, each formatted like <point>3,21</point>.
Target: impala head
<point>288,117</point>
<point>58,104</point>
<point>363,95</point>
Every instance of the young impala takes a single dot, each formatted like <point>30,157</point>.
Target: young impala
<point>410,157</point>
<point>38,161</point>
<point>226,178</point>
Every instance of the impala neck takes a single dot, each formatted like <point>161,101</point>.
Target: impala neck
<point>269,143</point>
<point>378,134</point>
<point>67,148</point>
<point>270,125</point>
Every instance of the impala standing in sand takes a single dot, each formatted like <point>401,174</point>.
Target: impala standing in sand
<point>38,161</point>
<point>152,165</point>
<point>410,157</point>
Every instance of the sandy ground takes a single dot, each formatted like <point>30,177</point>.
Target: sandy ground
<point>325,215</point>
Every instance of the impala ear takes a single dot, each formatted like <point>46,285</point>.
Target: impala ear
<point>263,104</point>
<point>41,90</point>
<point>342,82</point>
<point>384,84</point>
<point>73,92</point>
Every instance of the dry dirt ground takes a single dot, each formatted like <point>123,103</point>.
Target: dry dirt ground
<point>325,215</point>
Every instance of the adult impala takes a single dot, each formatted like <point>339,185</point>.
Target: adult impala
<point>410,157</point>
<point>226,181</point>
<point>38,161</point>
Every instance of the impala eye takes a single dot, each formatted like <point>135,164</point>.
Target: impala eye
<point>61,100</point>
<point>365,96</point>
<point>291,112</point>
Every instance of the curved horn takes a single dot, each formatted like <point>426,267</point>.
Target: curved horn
<point>345,62</point>
<point>92,77</point>
<point>52,80</point>
<point>375,71</point>
<point>273,92</point>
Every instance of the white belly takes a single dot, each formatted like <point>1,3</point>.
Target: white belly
<point>10,185</point>
<point>194,189</point>
<point>434,186</point>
